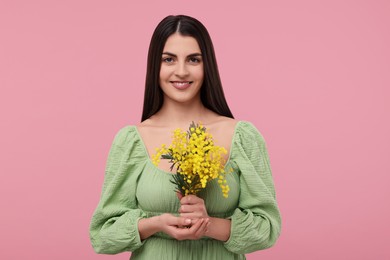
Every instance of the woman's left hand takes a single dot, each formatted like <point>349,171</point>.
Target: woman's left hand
<point>192,207</point>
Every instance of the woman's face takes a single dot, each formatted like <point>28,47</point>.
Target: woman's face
<point>181,72</point>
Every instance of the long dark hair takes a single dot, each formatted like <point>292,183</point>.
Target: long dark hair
<point>211,92</point>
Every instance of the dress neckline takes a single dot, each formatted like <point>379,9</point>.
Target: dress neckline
<point>149,160</point>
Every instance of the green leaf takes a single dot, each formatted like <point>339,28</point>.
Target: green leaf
<point>167,156</point>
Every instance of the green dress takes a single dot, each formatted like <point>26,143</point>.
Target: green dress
<point>135,188</point>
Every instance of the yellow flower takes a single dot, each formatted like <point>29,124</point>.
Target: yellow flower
<point>196,159</point>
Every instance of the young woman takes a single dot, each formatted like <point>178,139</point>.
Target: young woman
<point>139,210</point>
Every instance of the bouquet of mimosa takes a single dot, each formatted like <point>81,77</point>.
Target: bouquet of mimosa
<point>196,159</point>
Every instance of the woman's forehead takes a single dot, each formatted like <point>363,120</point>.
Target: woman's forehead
<point>179,44</point>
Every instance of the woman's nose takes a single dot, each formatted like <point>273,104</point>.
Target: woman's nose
<point>181,69</point>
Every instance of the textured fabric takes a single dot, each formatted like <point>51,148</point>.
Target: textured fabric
<point>134,188</point>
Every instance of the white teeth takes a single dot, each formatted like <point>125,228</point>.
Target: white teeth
<point>181,84</point>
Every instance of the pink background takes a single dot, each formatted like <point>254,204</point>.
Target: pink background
<point>313,76</point>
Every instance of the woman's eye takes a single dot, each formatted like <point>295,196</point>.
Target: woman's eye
<point>168,60</point>
<point>194,60</point>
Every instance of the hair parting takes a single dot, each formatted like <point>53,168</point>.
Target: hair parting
<point>178,27</point>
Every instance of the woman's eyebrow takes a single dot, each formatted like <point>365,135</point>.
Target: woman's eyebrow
<point>190,55</point>
<point>195,54</point>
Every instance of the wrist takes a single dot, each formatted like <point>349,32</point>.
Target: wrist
<point>219,229</point>
<point>157,223</point>
<point>148,226</point>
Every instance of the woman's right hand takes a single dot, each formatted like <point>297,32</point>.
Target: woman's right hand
<point>180,228</point>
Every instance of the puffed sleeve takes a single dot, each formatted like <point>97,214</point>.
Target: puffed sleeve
<point>114,224</point>
<point>256,223</point>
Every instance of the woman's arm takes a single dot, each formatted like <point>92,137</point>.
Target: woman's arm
<point>256,222</point>
<point>113,227</point>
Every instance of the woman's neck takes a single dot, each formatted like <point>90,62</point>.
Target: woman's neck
<point>177,114</point>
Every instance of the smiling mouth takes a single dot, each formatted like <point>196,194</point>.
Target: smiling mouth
<point>181,84</point>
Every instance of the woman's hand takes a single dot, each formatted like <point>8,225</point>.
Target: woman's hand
<point>192,207</point>
<point>182,228</point>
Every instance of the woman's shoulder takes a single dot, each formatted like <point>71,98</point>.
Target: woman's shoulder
<point>225,121</point>
<point>146,123</point>
<point>125,135</point>
<point>248,135</point>
<point>126,130</point>
<point>235,125</point>
<point>128,142</point>
<point>247,126</point>
<point>220,125</point>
